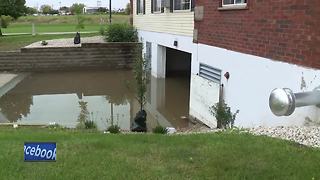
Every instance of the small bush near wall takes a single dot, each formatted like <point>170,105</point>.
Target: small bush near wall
<point>121,33</point>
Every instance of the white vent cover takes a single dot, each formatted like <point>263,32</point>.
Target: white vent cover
<point>210,73</point>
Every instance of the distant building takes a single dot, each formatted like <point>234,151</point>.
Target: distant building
<point>91,10</point>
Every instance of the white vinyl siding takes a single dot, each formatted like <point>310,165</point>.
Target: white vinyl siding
<point>179,23</point>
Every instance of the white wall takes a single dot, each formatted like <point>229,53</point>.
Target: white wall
<point>252,79</point>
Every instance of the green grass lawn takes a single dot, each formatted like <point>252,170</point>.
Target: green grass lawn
<point>45,28</point>
<point>93,155</point>
<point>61,23</point>
<point>10,43</point>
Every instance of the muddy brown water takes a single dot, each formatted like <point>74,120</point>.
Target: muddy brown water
<point>44,98</point>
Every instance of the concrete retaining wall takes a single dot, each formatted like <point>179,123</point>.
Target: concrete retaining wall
<point>88,56</point>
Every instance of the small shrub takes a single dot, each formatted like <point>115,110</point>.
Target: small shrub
<point>222,112</point>
<point>159,130</point>
<point>5,21</point>
<point>90,125</point>
<point>114,129</point>
<point>121,33</point>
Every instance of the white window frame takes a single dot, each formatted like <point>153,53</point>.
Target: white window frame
<point>181,10</point>
<point>157,12</point>
<point>234,4</point>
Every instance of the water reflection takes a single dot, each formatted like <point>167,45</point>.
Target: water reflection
<point>60,97</point>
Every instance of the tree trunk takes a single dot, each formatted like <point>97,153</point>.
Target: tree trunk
<point>0,32</point>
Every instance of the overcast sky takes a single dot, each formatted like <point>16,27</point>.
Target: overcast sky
<point>115,3</point>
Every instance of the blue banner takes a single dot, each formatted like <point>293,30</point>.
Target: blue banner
<point>40,151</point>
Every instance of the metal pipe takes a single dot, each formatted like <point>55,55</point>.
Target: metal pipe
<point>283,102</point>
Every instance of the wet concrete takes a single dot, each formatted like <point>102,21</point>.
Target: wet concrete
<point>44,98</point>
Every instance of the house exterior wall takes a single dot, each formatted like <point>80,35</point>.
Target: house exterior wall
<point>287,30</point>
<point>251,81</point>
<point>268,45</point>
<point>177,22</point>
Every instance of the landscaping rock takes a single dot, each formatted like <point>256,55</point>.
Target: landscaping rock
<point>309,136</point>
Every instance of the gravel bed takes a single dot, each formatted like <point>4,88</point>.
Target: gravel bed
<point>309,136</point>
<point>67,42</point>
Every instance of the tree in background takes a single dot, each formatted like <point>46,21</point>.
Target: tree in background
<point>45,9</point>
<point>64,9</point>
<point>77,8</point>
<point>128,9</point>
<point>13,8</point>
<point>102,10</point>
<point>53,11</point>
<point>31,10</point>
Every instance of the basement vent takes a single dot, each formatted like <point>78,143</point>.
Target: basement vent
<point>210,73</point>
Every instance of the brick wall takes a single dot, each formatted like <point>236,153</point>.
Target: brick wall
<point>88,56</point>
<point>284,30</point>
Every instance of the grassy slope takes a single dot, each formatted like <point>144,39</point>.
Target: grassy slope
<point>9,43</point>
<point>84,155</point>
<point>61,23</point>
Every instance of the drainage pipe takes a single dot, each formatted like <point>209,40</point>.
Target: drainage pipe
<point>283,102</point>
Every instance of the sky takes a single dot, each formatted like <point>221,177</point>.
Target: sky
<point>116,4</point>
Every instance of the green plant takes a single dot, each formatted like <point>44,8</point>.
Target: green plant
<point>222,112</point>
<point>5,21</point>
<point>141,77</point>
<point>114,129</point>
<point>90,125</point>
<point>121,33</point>
<point>84,121</point>
<point>80,22</point>
<point>102,30</point>
<point>159,130</point>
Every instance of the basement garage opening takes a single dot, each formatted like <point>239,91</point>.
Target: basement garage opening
<point>177,86</point>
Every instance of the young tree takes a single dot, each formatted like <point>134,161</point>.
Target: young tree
<point>31,10</point>
<point>13,8</point>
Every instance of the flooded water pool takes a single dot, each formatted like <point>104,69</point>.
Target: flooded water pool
<point>106,96</point>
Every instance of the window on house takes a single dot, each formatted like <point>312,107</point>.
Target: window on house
<point>233,2</point>
<point>157,5</point>
<point>140,6</point>
<point>182,4</point>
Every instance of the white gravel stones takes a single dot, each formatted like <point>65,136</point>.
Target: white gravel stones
<point>309,136</point>
<point>68,42</point>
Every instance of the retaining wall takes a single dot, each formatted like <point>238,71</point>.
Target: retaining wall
<point>88,56</point>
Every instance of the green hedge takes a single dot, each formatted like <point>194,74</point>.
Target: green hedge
<point>121,33</point>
